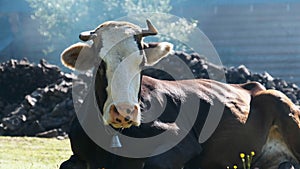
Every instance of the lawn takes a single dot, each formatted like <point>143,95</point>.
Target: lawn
<point>32,153</point>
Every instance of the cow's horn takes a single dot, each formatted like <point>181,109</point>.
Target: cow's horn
<point>87,35</point>
<point>150,31</point>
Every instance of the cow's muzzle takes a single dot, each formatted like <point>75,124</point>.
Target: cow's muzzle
<point>124,115</point>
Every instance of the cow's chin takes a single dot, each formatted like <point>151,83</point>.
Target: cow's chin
<point>120,125</point>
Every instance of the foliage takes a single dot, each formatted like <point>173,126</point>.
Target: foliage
<point>32,153</point>
<point>141,6</point>
<point>58,19</point>
<point>61,20</point>
<point>179,29</point>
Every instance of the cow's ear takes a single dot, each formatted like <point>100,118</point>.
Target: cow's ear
<point>156,51</point>
<point>78,56</point>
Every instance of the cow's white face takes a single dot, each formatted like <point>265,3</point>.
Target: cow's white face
<point>120,45</point>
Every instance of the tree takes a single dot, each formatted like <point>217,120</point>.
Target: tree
<point>61,20</point>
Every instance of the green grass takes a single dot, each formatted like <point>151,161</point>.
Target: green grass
<point>33,153</point>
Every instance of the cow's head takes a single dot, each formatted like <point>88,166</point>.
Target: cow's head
<point>120,45</point>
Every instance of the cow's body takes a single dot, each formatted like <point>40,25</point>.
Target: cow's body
<point>270,131</point>
<point>250,117</point>
<point>262,128</point>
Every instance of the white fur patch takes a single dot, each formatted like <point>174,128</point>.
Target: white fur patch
<point>113,39</point>
<point>123,59</point>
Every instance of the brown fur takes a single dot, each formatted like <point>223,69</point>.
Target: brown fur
<point>235,97</point>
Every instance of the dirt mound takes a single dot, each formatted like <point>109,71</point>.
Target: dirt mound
<point>36,100</point>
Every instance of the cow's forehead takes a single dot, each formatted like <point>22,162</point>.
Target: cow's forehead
<point>118,41</point>
<point>117,24</point>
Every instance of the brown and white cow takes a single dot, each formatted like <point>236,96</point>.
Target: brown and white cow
<point>253,119</point>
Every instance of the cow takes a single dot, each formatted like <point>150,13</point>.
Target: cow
<point>251,117</point>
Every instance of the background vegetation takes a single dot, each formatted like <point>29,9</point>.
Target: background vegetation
<point>61,20</point>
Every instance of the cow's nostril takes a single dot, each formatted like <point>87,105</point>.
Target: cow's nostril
<point>118,120</point>
<point>127,118</point>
